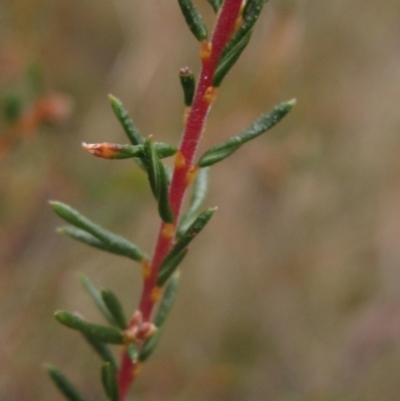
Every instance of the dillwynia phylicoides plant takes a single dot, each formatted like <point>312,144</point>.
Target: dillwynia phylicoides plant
<point>140,334</point>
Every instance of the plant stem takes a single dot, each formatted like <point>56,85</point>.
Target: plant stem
<point>183,170</point>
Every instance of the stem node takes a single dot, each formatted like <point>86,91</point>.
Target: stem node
<point>168,231</point>
<point>180,160</point>
<point>210,94</point>
<point>146,269</point>
<point>156,293</point>
<point>191,175</point>
<point>205,50</point>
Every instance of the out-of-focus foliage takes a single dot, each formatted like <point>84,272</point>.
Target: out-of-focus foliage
<point>298,296</point>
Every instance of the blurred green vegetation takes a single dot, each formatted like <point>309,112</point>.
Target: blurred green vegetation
<point>291,294</point>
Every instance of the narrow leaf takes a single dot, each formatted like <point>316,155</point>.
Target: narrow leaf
<point>193,19</point>
<point>215,4</point>
<point>188,236</point>
<point>114,242</point>
<point>101,349</point>
<point>64,385</point>
<point>188,85</point>
<point>112,151</point>
<point>88,239</point>
<point>263,124</point>
<point>164,206</point>
<point>251,12</point>
<point>167,300</point>
<point>133,352</point>
<point>95,294</point>
<point>109,380</point>
<point>104,334</point>
<point>130,129</point>
<point>114,307</point>
<point>82,236</point>
<point>149,346</point>
<point>194,229</point>
<point>229,59</point>
<point>200,188</point>
<point>159,181</point>
<point>163,149</point>
<point>153,167</point>
<point>252,9</point>
<point>168,267</point>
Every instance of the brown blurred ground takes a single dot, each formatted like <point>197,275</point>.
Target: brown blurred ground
<point>293,291</point>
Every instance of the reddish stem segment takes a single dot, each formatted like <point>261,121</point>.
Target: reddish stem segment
<point>195,123</point>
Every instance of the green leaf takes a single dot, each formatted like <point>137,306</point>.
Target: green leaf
<point>167,300</point>
<point>263,124</point>
<point>115,243</point>
<point>193,19</point>
<point>159,182</point>
<point>101,349</point>
<point>95,294</point>
<point>252,9</point>
<point>88,239</point>
<point>130,129</point>
<point>200,188</point>
<point>115,151</point>
<point>164,206</point>
<point>188,85</point>
<point>168,267</point>
<point>64,385</point>
<point>104,334</point>
<point>109,380</point>
<point>239,41</point>
<point>163,149</point>
<point>251,12</point>
<point>174,256</point>
<point>215,4</point>
<point>229,59</point>
<point>114,307</point>
<point>133,352</point>
<point>149,346</point>
<point>193,230</point>
<point>83,236</point>
<point>153,167</point>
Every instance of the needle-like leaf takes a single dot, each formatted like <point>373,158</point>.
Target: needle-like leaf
<point>112,241</point>
<point>104,334</point>
<point>264,123</point>
<point>193,19</point>
<point>64,385</point>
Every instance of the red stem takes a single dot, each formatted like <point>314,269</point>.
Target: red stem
<point>194,127</point>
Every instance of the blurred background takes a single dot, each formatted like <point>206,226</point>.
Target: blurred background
<point>293,291</point>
